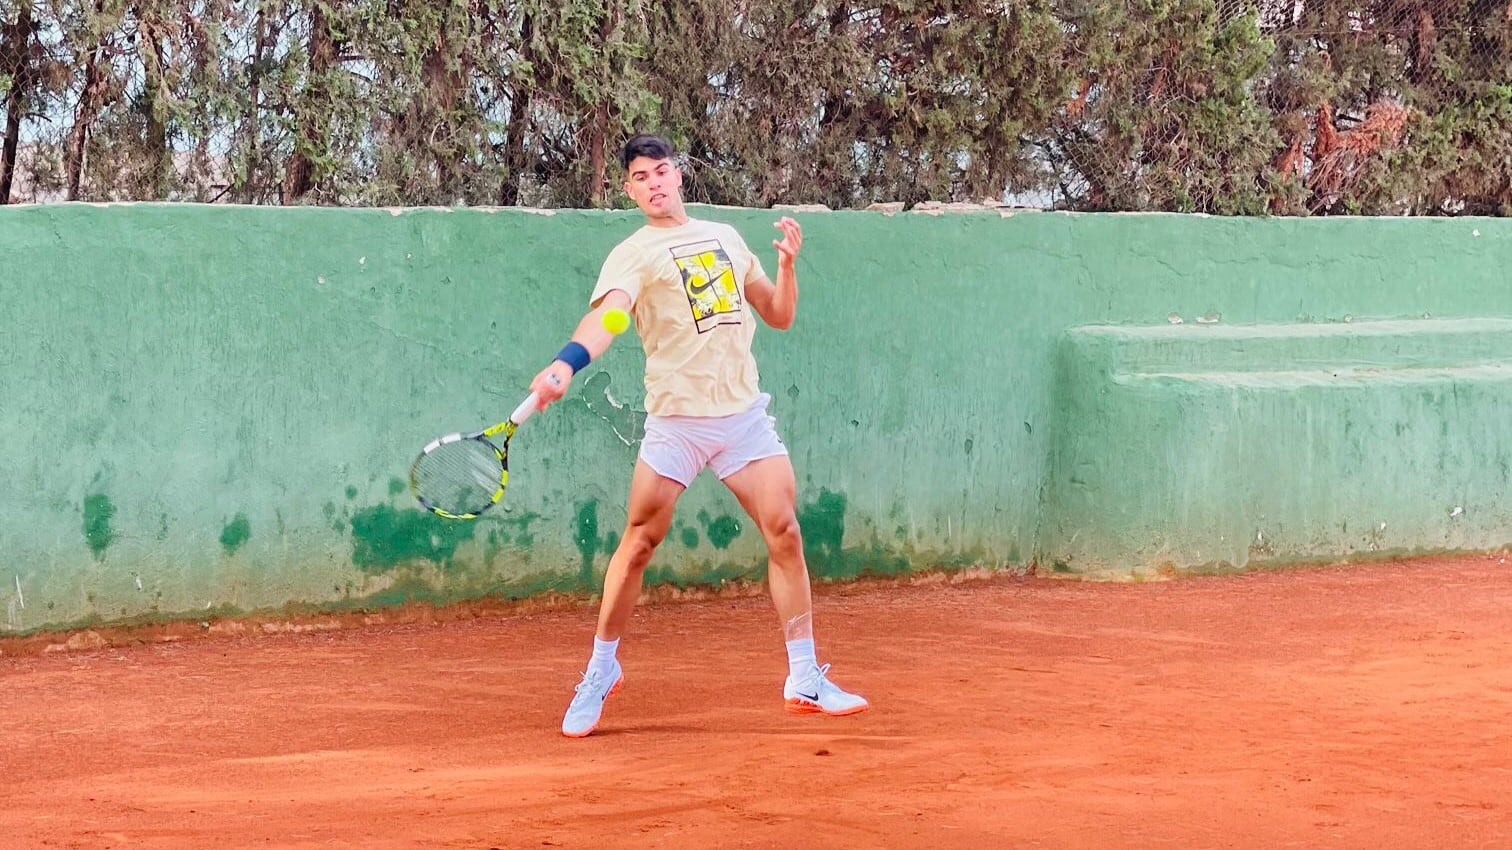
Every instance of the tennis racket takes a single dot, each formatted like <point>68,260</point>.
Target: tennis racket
<point>459,476</point>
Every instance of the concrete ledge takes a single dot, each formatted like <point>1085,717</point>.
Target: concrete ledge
<point>1188,448</point>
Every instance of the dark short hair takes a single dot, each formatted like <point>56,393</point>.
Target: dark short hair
<point>646,145</point>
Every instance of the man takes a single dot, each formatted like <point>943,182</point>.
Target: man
<point>691,286</point>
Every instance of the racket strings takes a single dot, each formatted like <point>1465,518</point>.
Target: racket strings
<point>460,477</point>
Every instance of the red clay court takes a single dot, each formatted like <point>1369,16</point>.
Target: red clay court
<point>1363,707</point>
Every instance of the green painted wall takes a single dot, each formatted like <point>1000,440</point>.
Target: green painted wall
<point>212,408</point>
<point>1223,446</point>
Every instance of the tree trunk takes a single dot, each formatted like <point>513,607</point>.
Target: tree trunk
<point>150,47</point>
<point>90,100</point>
<point>252,123</point>
<point>517,152</point>
<point>299,178</point>
<point>15,61</point>
<point>598,195</point>
<point>443,86</point>
<point>598,187</point>
<point>12,143</point>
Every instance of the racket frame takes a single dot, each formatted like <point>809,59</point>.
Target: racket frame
<point>527,408</point>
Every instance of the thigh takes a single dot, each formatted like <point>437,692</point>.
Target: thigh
<point>653,501</point>
<point>767,489</point>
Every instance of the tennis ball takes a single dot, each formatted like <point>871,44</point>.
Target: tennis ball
<point>616,321</point>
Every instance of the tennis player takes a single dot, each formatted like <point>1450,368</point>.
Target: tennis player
<point>691,287</point>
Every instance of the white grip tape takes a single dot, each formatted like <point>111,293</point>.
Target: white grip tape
<point>526,409</point>
<point>529,406</point>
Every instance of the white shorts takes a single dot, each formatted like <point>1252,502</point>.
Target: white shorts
<point>679,447</point>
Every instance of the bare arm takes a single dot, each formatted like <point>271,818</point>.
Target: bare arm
<point>777,303</point>
<point>590,331</point>
<point>552,382</point>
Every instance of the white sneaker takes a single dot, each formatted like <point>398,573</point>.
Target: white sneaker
<point>588,703</point>
<point>815,693</point>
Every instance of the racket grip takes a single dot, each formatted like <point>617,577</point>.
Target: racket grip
<point>527,409</point>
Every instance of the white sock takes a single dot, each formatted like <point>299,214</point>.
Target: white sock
<point>801,657</point>
<point>603,655</point>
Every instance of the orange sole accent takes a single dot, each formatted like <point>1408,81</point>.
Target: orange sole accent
<point>613,689</point>
<point>800,706</point>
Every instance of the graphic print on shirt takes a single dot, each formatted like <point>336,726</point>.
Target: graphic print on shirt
<point>708,279</point>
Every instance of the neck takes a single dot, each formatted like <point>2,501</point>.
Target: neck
<point>674,215</point>
<point>676,219</point>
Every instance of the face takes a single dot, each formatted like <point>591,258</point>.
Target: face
<point>656,187</point>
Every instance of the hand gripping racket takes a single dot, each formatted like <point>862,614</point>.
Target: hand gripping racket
<point>459,476</point>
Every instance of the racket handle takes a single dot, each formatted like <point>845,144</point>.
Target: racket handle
<point>530,405</point>
<point>527,409</point>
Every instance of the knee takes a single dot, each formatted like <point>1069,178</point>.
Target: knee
<point>638,545</point>
<point>783,535</point>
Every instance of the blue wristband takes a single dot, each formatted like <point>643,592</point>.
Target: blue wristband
<point>574,355</point>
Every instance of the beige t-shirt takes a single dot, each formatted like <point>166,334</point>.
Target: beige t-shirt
<point>687,286</point>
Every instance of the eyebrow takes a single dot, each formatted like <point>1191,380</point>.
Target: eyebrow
<point>642,171</point>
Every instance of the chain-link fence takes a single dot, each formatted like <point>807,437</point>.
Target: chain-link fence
<point>1222,106</point>
<point>1294,106</point>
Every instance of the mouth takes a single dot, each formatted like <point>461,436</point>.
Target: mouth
<point>658,198</point>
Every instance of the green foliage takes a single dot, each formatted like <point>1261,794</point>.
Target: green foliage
<point>1169,119</point>
<point>1216,106</point>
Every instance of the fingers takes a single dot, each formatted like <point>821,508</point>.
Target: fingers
<point>545,398</point>
<point>790,230</point>
<point>551,384</point>
<point>792,237</point>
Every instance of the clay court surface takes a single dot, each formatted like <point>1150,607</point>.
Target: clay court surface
<point>1362,706</point>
